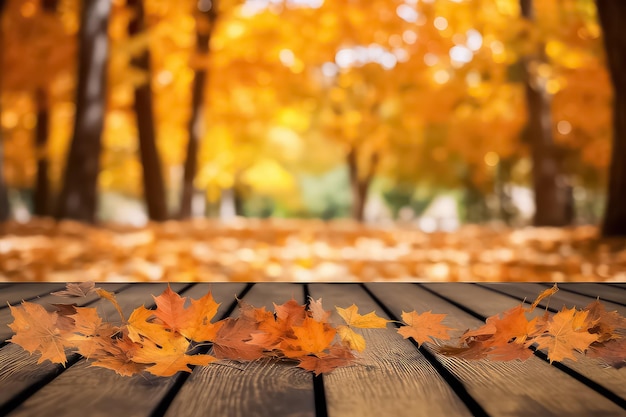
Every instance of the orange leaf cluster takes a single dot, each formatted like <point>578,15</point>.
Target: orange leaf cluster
<point>167,339</point>
<point>509,335</point>
<point>162,340</point>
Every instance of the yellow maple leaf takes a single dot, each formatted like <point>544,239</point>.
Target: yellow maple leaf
<point>351,339</point>
<point>368,321</point>
<point>564,334</point>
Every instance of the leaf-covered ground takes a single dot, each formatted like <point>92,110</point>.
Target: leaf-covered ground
<point>299,250</point>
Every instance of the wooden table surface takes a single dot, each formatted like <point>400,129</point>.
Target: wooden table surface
<point>393,377</point>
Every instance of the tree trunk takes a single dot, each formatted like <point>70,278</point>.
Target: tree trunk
<point>612,14</point>
<point>360,185</point>
<point>153,186</point>
<point>4,196</point>
<point>78,198</point>
<point>204,27</point>
<point>41,199</point>
<point>42,188</point>
<point>550,200</point>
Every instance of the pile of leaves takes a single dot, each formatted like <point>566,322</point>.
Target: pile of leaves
<point>510,335</point>
<point>302,250</point>
<point>176,334</point>
<point>169,338</point>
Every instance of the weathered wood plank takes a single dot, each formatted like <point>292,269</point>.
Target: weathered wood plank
<point>606,293</point>
<point>502,388</point>
<point>559,300</point>
<point>474,298</point>
<point>261,388</point>
<point>392,376</point>
<point>58,397</point>
<point>27,291</point>
<point>47,301</point>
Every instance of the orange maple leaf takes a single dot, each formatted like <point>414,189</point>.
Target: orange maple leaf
<point>423,327</point>
<point>231,340</point>
<point>312,337</point>
<point>36,331</point>
<point>170,309</point>
<point>513,326</point>
<point>90,334</point>
<point>139,327</point>
<point>196,324</point>
<point>564,333</point>
<point>117,356</point>
<point>291,313</point>
<point>337,356</point>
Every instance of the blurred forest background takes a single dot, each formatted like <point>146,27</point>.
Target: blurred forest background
<point>306,108</point>
<point>433,113</point>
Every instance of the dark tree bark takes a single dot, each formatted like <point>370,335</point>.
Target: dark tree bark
<point>550,198</point>
<point>612,15</point>
<point>42,188</point>
<point>359,185</point>
<point>78,198</point>
<point>5,210</point>
<point>41,199</point>
<point>206,21</point>
<point>153,186</point>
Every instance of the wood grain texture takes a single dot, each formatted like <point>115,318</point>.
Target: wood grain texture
<point>511,388</point>
<point>606,293</point>
<point>391,378</point>
<point>27,291</point>
<point>559,300</point>
<point>47,301</point>
<point>59,396</point>
<point>19,371</point>
<point>260,388</point>
<point>474,298</point>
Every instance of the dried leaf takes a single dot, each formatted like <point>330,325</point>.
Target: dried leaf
<point>604,323</point>
<point>168,358</point>
<point>423,327</point>
<point>35,330</point>
<point>312,337</point>
<point>337,357</point>
<point>565,334</point>
<point>547,293</point>
<point>81,289</point>
<point>231,341</point>
<point>368,321</point>
<point>317,311</point>
<point>351,339</point>
<point>613,352</point>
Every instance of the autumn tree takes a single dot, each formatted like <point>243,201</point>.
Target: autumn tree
<point>205,22</point>
<point>153,186</point>
<point>612,15</point>
<point>550,195</point>
<point>41,198</point>
<point>78,197</point>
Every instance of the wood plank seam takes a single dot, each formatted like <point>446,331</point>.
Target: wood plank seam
<point>457,386</point>
<point>72,359</point>
<point>182,377</point>
<point>321,409</point>
<point>607,393</point>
